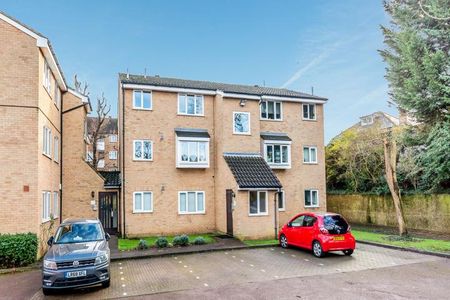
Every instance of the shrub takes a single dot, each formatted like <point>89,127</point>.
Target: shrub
<point>161,242</point>
<point>142,245</point>
<point>181,240</point>
<point>17,250</point>
<point>199,241</point>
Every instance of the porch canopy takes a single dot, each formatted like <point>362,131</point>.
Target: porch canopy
<point>251,171</point>
<point>192,133</point>
<point>275,136</point>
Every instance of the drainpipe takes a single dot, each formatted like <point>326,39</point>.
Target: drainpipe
<point>276,198</point>
<point>122,145</point>
<point>61,157</point>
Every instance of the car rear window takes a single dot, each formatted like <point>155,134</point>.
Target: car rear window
<point>335,224</point>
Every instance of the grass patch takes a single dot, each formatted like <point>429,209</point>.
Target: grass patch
<point>130,244</point>
<point>260,242</point>
<point>405,242</point>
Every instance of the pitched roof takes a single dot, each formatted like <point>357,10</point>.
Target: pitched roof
<point>251,171</point>
<point>274,136</point>
<point>112,178</point>
<point>214,86</point>
<point>109,126</point>
<point>192,132</point>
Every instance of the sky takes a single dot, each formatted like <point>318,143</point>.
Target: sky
<point>328,45</point>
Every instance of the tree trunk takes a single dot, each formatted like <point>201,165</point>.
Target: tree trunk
<point>390,161</point>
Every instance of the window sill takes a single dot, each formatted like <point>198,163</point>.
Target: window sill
<point>48,92</point>
<point>46,155</point>
<point>190,115</point>
<point>258,215</point>
<point>242,133</point>
<point>192,213</point>
<point>142,160</point>
<point>312,206</point>
<point>272,166</point>
<point>271,120</point>
<point>142,212</point>
<point>141,108</point>
<point>309,120</point>
<point>282,210</point>
<point>193,166</point>
<point>310,163</point>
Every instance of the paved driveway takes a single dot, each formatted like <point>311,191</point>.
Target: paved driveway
<point>218,270</point>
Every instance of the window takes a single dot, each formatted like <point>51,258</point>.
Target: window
<point>55,208</point>
<point>303,221</point>
<point>56,149</point>
<point>193,153</point>
<point>57,97</point>
<point>101,163</point>
<point>143,150</point>
<point>298,222</point>
<point>271,110</point>
<point>47,77</point>
<point>101,145</point>
<point>142,100</point>
<point>89,156</point>
<point>257,203</point>
<point>46,206</point>
<point>113,138</point>
<point>281,201</point>
<point>190,105</point>
<point>47,141</point>
<point>367,120</point>
<point>278,154</point>
<point>113,155</point>
<point>310,155</point>
<point>142,202</point>
<point>309,111</point>
<point>311,198</point>
<point>241,123</point>
<point>191,202</point>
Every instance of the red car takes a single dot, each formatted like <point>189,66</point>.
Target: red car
<point>319,232</point>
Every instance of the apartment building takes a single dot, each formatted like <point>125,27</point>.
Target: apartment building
<point>200,156</point>
<point>107,144</point>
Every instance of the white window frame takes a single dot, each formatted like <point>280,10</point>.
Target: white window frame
<point>140,211</point>
<point>197,164</point>
<point>141,107</point>
<point>113,157</point>
<point>142,158</point>
<point>113,138</point>
<point>47,78</point>
<point>101,145</point>
<point>55,205</point>
<point>310,162</point>
<point>310,194</point>
<point>281,165</point>
<point>196,212</point>
<point>367,120</point>
<point>259,213</point>
<point>102,164</point>
<point>57,98</point>
<point>267,110</point>
<point>47,142</point>
<point>56,149</point>
<point>249,123</point>
<point>196,98</point>
<point>309,111</point>
<point>46,206</point>
<point>89,156</point>
<point>283,201</point>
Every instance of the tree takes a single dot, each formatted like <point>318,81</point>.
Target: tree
<point>103,109</point>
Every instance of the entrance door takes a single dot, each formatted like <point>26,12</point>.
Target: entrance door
<point>108,211</point>
<point>229,197</point>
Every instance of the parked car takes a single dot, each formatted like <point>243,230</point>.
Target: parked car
<point>319,232</point>
<point>78,256</point>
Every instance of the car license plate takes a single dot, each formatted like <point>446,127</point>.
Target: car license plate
<point>76,274</point>
<point>338,238</point>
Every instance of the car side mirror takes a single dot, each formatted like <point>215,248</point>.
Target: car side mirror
<point>107,236</point>
<point>289,224</point>
<point>50,241</point>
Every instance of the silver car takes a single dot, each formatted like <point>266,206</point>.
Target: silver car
<point>78,256</point>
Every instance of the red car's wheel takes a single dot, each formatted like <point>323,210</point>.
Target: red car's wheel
<point>348,252</point>
<point>317,249</point>
<point>283,241</point>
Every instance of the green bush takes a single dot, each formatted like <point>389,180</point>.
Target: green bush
<point>18,250</point>
<point>142,245</point>
<point>162,242</point>
<point>199,241</point>
<point>181,240</point>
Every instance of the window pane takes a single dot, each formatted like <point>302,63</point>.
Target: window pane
<point>182,104</point>
<point>200,202</point>
<point>262,202</point>
<point>253,202</point>
<point>137,201</point>
<point>147,150</point>
<point>307,198</point>
<point>313,155</point>
<point>147,201</point>
<point>285,158</point>
<point>241,122</point>
<point>183,202</point>
<point>281,200</point>
<point>277,154</point>
<point>264,110</point>
<point>305,154</point>
<point>199,105</point>
<point>137,98</point>
<point>138,149</point>
<point>202,151</point>
<point>191,201</point>
<point>55,204</point>
<point>193,156</point>
<point>147,101</point>
<point>184,151</point>
<point>269,153</point>
<point>312,111</point>
<point>305,111</point>
<point>190,104</point>
<point>314,197</point>
<point>278,110</point>
<point>270,110</point>
<point>298,222</point>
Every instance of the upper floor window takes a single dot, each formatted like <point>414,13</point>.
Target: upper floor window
<point>241,123</point>
<point>310,155</point>
<point>142,150</point>
<point>47,77</point>
<point>367,120</point>
<point>271,110</point>
<point>309,111</point>
<point>142,100</point>
<point>190,105</point>
<point>101,145</point>
<point>101,163</point>
<point>311,198</point>
<point>89,156</point>
<point>278,154</point>
<point>47,141</point>
<point>281,201</point>
<point>56,149</point>
<point>258,203</point>
<point>113,155</point>
<point>191,202</point>
<point>113,138</point>
<point>193,153</point>
<point>57,97</point>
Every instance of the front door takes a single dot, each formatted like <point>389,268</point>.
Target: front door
<point>108,213</point>
<point>229,197</point>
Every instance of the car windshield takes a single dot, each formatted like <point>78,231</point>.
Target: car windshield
<point>78,233</point>
<point>335,224</point>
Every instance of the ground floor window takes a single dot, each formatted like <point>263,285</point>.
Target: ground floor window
<point>46,206</point>
<point>142,202</point>
<point>281,201</point>
<point>55,208</point>
<point>257,203</point>
<point>191,202</point>
<point>311,198</point>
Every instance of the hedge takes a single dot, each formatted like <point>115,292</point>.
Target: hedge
<point>18,250</point>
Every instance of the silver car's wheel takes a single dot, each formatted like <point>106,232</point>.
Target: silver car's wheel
<point>317,249</point>
<point>283,241</point>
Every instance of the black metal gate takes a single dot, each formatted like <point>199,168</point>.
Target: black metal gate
<point>108,212</point>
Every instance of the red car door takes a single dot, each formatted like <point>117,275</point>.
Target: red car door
<point>307,231</point>
<point>293,231</point>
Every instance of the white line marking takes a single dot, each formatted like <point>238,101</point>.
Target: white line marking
<point>121,273</point>
<point>205,284</point>
<point>123,285</point>
<point>197,277</point>
<point>276,276</point>
<point>320,264</point>
<point>233,256</point>
<point>190,271</point>
<point>122,278</point>
<point>120,268</point>
<point>264,271</point>
<point>242,260</point>
<point>251,265</point>
<point>306,259</point>
<point>293,255</point>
